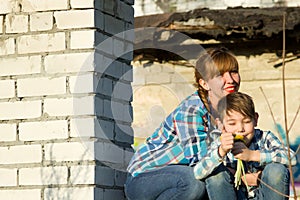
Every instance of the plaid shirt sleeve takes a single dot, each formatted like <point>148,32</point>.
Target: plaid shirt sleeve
<point>191,128</point>
<point>211,160</point>
<point>273,150</point>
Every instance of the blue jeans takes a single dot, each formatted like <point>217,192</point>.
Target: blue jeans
<point>174,182</point>
<point>277,177</point>
<point>220,184</point>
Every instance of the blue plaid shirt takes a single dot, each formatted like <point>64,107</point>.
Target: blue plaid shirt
<point>180,139</point>
<point>270,147</point>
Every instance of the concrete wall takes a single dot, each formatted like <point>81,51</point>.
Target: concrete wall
<point>148,7</point>
<point>65,98</point>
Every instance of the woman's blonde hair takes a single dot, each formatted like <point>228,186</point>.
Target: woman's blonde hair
<point>213,62</point>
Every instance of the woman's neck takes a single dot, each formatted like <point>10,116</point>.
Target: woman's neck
<point>213,106</point>
<point>214,112</point>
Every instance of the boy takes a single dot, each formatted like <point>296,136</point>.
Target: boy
<point>264,156</point>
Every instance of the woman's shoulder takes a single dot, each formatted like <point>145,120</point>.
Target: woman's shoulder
<point>192,103</point>
<point>192,100</point>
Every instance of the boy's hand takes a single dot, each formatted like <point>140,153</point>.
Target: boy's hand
<point>241,151</point>
<point>252,178</point>
<point>227,141</point>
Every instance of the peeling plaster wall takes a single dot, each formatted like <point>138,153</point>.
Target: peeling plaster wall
<point>148,7</point>
<point>159,87</point>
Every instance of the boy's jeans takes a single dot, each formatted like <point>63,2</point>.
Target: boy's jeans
<point>277,177</point>
<point>220,185</point>
<point>174,182</point>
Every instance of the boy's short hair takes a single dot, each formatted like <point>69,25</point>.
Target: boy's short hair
<point>239,102</point>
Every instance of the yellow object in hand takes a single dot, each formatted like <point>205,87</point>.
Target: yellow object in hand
<point>238,138</point>
<point>240,170</point>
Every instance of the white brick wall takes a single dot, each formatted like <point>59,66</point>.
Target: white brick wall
<point>41,21</point>
<point>8,177</point>
<point>16,23</point>
<point>43,175</point>
<point>21,154</point>
<point>87,175</point>
<point>74,19</point>
<point>7,46</point>
<point>91,127</point>
<point>52,93</point>
<point>48,130</point>
<point>41,43</point>
<point>41,86</point>
<point>6,6</point>
<point>74,193</point>
<point>20,110</point>
<point>84,174</point>
<point>69,106</point>
<point>8,132</point>
<point>82,127</point>
<point>85,83</point>
<point>20,65</point>
<point>82,4</point>
<point>82,39</point>
<point>45,5</point>
<point>21,194</point>
<point>71,151</point>
<point>7,89</point>
<point>66,63</point>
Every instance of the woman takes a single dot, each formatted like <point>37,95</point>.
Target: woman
<point>163,167</point>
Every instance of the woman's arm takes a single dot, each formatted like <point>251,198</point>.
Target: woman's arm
<point>191,129</point>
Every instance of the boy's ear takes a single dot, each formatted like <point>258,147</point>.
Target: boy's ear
<point>204,84</point>
<point>256,119</point>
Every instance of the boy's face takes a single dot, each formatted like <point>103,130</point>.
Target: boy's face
<point>235,122</point>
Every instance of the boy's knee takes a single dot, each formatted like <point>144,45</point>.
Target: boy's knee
<point>218,179</point>
<point>275,173</point>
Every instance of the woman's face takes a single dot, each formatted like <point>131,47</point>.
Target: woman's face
<point>221,85</point>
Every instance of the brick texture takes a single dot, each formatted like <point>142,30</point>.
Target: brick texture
<point>7,46</point>
<point>21,154</point>
<point>20,110</point>
<point>16,23</point>
<point>23,65</point>
<point>41,43</point>
<point>41,21</point>
<point>43,175</point>
<point>47,130</point>
<point>62,72</point>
